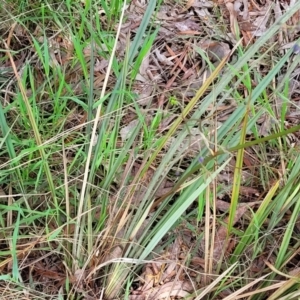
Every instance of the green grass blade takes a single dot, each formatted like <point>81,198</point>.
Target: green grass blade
<point>15,266</point>
<point>237,178</point>
<point>260,216</point>
<point>183,202</point>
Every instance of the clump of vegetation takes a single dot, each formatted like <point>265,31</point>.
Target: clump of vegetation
<point>148,151</point>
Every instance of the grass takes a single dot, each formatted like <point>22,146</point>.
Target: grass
<point>82,211</point>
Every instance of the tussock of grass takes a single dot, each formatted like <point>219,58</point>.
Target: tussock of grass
<point>190,204</point>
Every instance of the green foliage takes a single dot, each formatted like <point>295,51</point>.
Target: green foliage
<point>73,185</point>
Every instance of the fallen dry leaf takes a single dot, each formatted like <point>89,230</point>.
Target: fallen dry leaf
<point>220,245</point>
<point>162,58</point>
<point>203,3</point>
<point>179,289</point>
<point>100,65</point>
<point>128,130</point>
<point>187,25</point>
<point>143,74</point>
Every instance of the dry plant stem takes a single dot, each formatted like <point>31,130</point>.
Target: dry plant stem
<point>287,284</point>
<point>213,227</point>
<point>235,295</point>
<point>10,201</point>
<point>214,209</point>
<point>210,287</point>
<point>11,34</point>
<point>68,214</point>
<point>178,61</point>
<point>183,57</point>
<point>260,291</point>
<point>207,230</point>
<point>76,246</point>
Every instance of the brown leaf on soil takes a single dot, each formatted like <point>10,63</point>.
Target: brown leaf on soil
<point>50,274</point>
<point>222,205</point>
<point>189,32</point>
<point>187,25</point>
<point>179,289</point>
<point>100,65</point>
<point>220,245</point>
<point>165,277</point>
<point>191,145</point>
<point>162,58</point>
<point>260,16</point>
<point>189,4</point>
<point>144,67</point>
<point>246,25</point>
<point>178,61</point>
<point>295,20</point>
<point>204,3</point>
<point>248,191</point>
<point>257,265</point>
<point>232,17</point>
<point>198,261</point>
<point>216,50</point>
<point>144,92</point>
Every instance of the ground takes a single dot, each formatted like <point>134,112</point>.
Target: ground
<point>149,150</point>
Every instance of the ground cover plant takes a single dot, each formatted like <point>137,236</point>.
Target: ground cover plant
<point>149,149</point>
